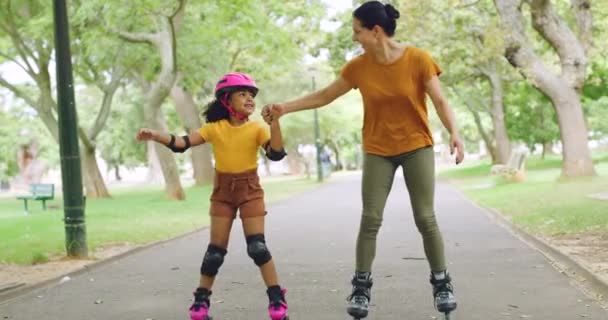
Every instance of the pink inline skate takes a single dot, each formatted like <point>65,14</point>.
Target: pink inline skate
<point>277,307</point>
<point>200,308</point>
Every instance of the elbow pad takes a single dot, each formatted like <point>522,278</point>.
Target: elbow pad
<point>274,155</point>
<point>174,148</point>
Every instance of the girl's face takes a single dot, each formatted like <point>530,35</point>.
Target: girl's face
<point>365,37</point>
<point>243,102</point>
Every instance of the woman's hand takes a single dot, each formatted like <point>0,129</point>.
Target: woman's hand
<point>456,143</point>
<point>272,112</point>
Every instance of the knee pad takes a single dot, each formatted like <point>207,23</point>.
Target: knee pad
<point>214,257</point>
<point>256,249</point>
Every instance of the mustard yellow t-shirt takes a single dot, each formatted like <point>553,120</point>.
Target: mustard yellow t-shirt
<point>395,117</point>
<point>235,148</point>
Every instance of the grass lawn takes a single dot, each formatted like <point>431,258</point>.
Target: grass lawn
<point>135,216</point>
<point>542,203</point>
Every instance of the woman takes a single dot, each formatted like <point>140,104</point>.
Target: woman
<point>393,79</point>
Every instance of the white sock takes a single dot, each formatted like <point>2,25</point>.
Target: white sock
<point>439,275</point>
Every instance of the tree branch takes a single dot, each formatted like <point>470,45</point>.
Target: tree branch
<point>18,92</point>
<point>15,61</point>
<point>584,20</point>
<point>18,41</point>
<point>135,37</point>
<point>519,52</point>
<point>179,10</point>
<point>108,95</point>
<point>554,30</point>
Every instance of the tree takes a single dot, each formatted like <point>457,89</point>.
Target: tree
<point>28,43</point>
<point>165,22</point>
<point>563,88</point>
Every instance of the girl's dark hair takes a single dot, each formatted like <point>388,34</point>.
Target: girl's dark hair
<point>374,13</point>
<point>215,111</point>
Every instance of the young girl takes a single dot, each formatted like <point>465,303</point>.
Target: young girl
<point>235,142</point>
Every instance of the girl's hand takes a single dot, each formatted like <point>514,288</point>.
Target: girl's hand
<point>146,134</point>
<point>266,113</point>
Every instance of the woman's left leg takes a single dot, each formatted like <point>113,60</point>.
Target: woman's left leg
<point>419,173</point>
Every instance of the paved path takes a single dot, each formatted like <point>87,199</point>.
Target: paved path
<point>312,238</point>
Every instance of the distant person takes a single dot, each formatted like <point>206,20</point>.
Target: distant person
<point>394,80</point>
<point>235,142</point>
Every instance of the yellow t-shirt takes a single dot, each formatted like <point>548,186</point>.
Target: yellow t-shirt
<point>395,118</point>
<point>235,148</point>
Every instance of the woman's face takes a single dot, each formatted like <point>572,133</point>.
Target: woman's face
<point>243,102</point>
<point>365,37</point>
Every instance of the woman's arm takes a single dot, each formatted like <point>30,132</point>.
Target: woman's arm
<point>319,98</point>
<point>314,100</point>
<point>446,115</point>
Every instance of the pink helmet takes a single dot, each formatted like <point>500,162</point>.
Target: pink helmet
<point>233,81</point>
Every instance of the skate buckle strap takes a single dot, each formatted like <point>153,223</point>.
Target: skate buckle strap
<point>358,293</point>
<point>367,284</point>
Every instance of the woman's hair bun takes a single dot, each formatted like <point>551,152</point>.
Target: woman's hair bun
<point>391,11</point>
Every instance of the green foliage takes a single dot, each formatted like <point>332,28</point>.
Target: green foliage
<point>117,143</point>
<point>530,115</point>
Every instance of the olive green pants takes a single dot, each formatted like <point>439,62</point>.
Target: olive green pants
<point>419,174</point>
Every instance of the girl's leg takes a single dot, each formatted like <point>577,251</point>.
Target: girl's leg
<point>214,257</point>
<point>378,175</point>
<point>220,234</point>
<point>419,173</point>
<point>257,250</point>
<point>254,232</point>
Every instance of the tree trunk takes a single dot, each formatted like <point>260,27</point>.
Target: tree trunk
<point>93,180</point>
<point>487,139</point>
<point>334,147</point>
<point>168,166</point>
<point>547,148</point>
<point>564,88</point>
<point>503,144</point>
<point>189,115</point>
<point>165,42</point>
<point>117,173</point>
<point>155,171</point>
<point>573,128</point>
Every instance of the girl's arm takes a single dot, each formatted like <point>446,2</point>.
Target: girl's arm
<point>275,150</point>
<point>446,115</point>
<point>176,144</point>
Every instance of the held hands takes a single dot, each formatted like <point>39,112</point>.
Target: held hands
<point>146,134</point>
<point>272,112</point>
<point>456,143</point>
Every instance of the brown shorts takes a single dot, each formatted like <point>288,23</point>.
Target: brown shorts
<point>237,191</point>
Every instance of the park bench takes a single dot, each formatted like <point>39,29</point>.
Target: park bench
<point>38,191</point>
<point>514,169</point>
